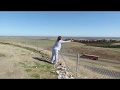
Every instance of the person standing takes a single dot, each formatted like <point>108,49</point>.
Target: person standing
<point>56,48</point>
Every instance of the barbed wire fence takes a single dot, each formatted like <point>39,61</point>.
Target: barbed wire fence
<point>92,69</point>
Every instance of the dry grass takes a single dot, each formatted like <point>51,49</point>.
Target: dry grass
<point>103,53</point>
<point>43,70</point>
<point>72,47</point>
<point>22,64</point>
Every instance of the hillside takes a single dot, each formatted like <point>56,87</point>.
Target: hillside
<point>22,63</point>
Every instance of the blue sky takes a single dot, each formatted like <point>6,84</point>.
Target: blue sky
<point>64,23</point>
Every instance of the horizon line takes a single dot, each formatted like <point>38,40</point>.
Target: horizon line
<point>54,36</point>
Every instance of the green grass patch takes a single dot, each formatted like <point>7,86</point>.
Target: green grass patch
<point>35,76</point>
<point>28,70</point>
<point>45,67</point>
<point>117,67</point>
<point>41,71</point>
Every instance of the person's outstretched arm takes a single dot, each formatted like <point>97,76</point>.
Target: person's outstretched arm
<point>62,41</point>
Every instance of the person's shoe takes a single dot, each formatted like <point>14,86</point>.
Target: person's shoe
<point>52,62</point>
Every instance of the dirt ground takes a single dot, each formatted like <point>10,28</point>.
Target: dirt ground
<point>11,59</point>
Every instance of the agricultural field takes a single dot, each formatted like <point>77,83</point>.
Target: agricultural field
<point>31,56</point>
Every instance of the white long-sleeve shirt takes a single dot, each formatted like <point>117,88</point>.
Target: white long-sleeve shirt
<point>57,44</point>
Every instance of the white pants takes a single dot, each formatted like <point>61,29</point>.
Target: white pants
<point>54,55</point>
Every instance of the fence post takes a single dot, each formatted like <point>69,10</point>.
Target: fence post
<point>77,62</point>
